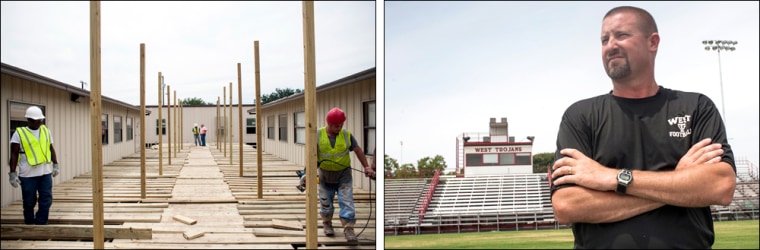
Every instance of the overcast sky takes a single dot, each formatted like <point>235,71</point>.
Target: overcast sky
<point>450,66</point>
<point>196,45</point>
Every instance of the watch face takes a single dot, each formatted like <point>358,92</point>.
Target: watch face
<point>625,177</point>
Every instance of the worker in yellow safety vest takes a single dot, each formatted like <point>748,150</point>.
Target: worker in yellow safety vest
<point>32,151</point>
<point>196,134</point>
<point>334,145</point>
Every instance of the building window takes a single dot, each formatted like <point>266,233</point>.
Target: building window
<point>222,126</point>
<point>507,159</point>
<point>369,128</point>
<point>270,127</point>
<point>474,159</point>
<point>129,129</point>
<point>163,126</point>
<point>282,128</point>
<point>117,129</point>
<point>104,129</point>
<point>523,159</point>
<point>490,159</point>
<point>250,126</point>
<point>17,113</point>
<point>299,122</point>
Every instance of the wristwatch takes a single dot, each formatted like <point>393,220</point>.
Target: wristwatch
<point>624,178</point>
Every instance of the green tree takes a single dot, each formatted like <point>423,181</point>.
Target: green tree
<point>193,101</point>
<point>542,162</point>
<point>405,171</point>
<point>427,166</point>
<point>390,166</point>
<point>277,94</point>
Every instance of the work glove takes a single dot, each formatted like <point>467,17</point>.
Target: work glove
<point>56,169</point>
<point>14,179</point>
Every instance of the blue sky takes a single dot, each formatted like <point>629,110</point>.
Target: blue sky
<point>450,66</point>
<point>196,45</point>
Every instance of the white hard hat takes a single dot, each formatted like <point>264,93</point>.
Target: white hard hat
<point>34,113</point>
<point>195,125</point>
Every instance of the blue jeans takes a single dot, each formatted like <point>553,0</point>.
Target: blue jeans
<point>345,192</point>
<point>203,140</point>
<point>30,187</point>
<point>197,140</point>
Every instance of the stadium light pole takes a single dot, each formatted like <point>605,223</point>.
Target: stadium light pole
<point>718,45</point>
<point>402,154</point>
<point>163,87</point>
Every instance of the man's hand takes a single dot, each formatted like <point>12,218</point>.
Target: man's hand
<point>56,169</point>
<point>577,168</point>
<point>369,172</point>
<point>14,179</point>
<point>701,153</point>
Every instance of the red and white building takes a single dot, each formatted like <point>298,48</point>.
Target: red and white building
<point>494,152</point>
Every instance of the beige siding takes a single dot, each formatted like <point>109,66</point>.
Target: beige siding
<point>69,123</point>
<point>349,98</point>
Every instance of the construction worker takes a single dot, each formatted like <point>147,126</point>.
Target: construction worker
<point>334,169</point>
<point>32,151</point>
<point>196,134</point>
<point>203,130</point>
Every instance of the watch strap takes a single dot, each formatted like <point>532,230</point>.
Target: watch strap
<point>621,188</point>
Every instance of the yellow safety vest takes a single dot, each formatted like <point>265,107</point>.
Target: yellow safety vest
<point>195,130</point>
<point>37,151</point>
<point>334,158</point>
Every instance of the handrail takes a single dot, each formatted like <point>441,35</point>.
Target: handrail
<point>429,195</point>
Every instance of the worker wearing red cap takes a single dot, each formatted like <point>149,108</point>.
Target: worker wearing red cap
<point>334,145</point>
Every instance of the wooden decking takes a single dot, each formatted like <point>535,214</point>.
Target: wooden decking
<point>200,184</point>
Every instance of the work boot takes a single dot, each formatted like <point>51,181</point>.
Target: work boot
<point>348,230</point>
<point>327,226</point>
<point>350,235</point>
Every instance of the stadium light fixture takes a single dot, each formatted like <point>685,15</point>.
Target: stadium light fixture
<point>724,45</point>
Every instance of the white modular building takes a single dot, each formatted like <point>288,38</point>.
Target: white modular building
<point>67,116</point>
<point>283,121</point>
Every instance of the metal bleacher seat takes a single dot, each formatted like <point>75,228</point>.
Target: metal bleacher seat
<point>520,195</point>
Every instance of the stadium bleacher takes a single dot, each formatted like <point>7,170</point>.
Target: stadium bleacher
<point>513,202</point>
<point>403,203</point>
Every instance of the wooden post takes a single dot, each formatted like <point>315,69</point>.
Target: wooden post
<point>95,128</point>
<point>142,120</point>
<point>259,168</point>
<point>230,133</point>
<point>310,101</point>
<point>181,124</point>
<point>240,119</point>
<point>160,126</point>
<point>217,125</point>
<point>224,121</point>
<point>175,123</point>
<point>169,122</point>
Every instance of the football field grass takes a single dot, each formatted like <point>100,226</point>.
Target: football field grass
<point>728,235</point>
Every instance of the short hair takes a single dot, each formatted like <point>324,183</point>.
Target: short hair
<point>645,20</point>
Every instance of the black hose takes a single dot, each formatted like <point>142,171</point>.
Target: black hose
<point>370,196</point>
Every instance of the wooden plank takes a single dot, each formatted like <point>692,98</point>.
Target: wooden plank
<point>193,233</point>
<point>271,232</point>
<point>184,219</point>
<point>85,219</point>
<point>291,225</point>
<point>18,231</point>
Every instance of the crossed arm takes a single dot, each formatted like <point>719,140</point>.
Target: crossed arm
<point>700,179</point>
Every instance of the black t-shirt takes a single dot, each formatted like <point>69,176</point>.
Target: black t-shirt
<point>653,134</point>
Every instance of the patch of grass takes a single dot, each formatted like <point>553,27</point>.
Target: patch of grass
<point>741,234</point>
<point>728,235</point>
